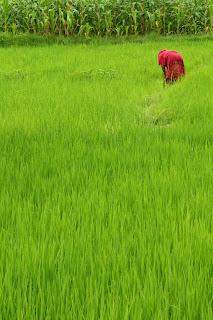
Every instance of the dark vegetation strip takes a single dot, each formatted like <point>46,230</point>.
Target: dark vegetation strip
<point>28,39</point>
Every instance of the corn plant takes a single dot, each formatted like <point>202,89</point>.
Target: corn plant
<point>106,17</point>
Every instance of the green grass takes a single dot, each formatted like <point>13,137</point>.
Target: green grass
<point>106,182</point>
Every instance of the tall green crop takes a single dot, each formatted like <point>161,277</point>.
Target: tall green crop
<point>106,17</point>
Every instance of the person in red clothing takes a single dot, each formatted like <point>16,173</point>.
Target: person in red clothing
<point>172,65</point>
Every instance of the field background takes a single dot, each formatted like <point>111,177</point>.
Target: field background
<point>106,182</point>
<point>106,17</point>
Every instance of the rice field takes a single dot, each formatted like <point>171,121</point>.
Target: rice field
<point>106,182</point>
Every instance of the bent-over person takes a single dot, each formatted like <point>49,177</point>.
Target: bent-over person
<point>172,65</point>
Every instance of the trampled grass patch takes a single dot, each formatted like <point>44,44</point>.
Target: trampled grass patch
<point>106,182</point>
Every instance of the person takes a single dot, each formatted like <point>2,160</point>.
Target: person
<point>172,65</point>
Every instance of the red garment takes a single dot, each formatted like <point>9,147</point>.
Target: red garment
<point>173,63</point>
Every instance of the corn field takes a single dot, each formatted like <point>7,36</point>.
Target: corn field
<point>106,17</point>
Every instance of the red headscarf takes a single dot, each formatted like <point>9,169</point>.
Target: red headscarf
<point>162,57</point>
<point>168,57</point>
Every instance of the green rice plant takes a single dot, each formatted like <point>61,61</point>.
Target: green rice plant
<point>106,179</point>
